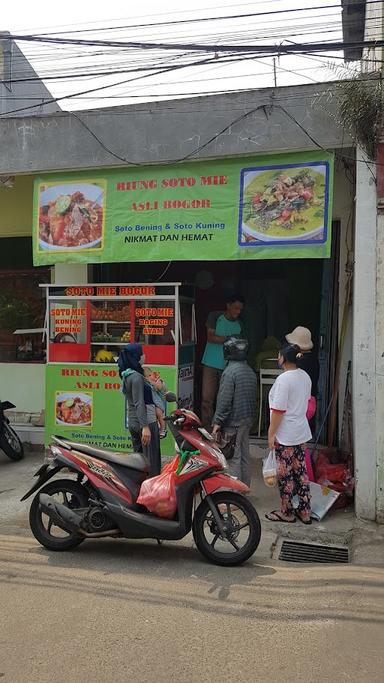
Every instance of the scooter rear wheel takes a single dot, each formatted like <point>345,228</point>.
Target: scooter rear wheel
<point>68,493</point>
<point>242,529</point>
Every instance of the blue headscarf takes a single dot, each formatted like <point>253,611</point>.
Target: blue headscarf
<point>129,358</point>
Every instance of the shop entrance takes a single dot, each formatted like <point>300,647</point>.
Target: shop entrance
<point>279,295</point>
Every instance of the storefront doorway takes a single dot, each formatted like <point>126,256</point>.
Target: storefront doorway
<point>279,295</point>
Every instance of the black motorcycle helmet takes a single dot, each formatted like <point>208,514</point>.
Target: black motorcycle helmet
<point>235,349</point>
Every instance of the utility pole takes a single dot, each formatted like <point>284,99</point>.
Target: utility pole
<point>274,72</point>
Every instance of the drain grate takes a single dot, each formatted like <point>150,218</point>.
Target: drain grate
<point>298,551</point>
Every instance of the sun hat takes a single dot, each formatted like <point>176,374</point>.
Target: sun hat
<point>301,336</point>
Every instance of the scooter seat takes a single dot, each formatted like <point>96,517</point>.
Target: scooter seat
<point>135,461</point>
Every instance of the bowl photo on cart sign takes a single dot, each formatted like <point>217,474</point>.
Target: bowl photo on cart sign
<point>284,204</point>
<point>74,408</point>
<point>71,216</point>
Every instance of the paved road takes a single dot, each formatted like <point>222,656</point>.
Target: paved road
<point>123,610</point>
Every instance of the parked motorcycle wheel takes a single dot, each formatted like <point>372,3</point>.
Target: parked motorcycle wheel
<point>68,493</point>
<point>242,527</point>
<point>10,443</point>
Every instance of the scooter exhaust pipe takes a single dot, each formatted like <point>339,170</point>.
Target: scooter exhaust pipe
<point>62,516</point>
<point>68,519</point>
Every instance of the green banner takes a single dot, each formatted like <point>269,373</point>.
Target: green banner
<point>84,403</point>
<point>251,208</point>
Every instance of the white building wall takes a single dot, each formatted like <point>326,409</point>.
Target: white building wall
<point>24,385</point>
<point>380,369</point>
<point>365,418</point>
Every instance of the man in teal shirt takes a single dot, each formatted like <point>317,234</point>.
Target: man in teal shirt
<point>220,326</point>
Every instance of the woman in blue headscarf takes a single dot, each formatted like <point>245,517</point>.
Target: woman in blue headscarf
<point>142,419</point>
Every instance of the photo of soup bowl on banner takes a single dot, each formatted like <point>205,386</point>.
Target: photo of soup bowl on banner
<point>71,216</point>
<point>74,408</point>
<point>284,205</point>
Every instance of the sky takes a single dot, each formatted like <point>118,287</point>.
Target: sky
<point>84,19</point>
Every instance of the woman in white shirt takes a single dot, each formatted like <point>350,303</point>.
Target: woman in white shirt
<point>288,432</point>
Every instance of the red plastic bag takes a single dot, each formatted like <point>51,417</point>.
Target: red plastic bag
<point>326,470</point>
<point>158,494</point>
<point>171,466</point>
<point>308,464</point>
<point>336,476</point>
<point>311,409</point>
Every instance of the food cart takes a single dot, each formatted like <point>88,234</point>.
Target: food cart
<point>86,326</point>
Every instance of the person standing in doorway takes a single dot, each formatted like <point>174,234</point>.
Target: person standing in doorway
<point>287,435</point>
<point>220,326</point>
<point>301,336</point>
<point>142,418</point>
<point>235,410</point>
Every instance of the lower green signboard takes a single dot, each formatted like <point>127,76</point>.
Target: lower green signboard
<point>84,403</point>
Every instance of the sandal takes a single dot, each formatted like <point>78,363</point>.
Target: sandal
<point>303,521</point>
<point>276,516</point>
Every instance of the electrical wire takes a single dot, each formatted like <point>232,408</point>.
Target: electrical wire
<point>184,11</point>
<point>174,105</point>
<point>201,20</point>
<point>208,60</point>
<point>372,81</point>
<point>146,61</point>
<point>90,71</point>
<point>157,24</point>
<point>321,46</point>
<point>104,87</point>
<point>267,109</point>
<point>181,94</point>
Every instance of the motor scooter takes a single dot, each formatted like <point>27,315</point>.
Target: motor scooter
<point>101,501</point>
<point>9,440</point>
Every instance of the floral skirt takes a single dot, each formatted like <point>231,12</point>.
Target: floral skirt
<point>293,478</point>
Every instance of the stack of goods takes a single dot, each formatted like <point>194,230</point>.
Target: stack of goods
<point>336,475</point>
<point>116,314</point>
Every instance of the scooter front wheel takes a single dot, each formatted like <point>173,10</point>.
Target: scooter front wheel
<point>240,525</point>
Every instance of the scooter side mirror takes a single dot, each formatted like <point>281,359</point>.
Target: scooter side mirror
<point>170,397</point>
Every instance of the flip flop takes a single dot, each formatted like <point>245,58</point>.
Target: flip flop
<point>278,517</point>
<point>303,521</point>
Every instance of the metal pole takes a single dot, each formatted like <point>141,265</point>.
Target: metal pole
<point>274,72</point>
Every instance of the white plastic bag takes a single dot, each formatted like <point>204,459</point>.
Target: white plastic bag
<point>322,499</point>
<point>270,469</point>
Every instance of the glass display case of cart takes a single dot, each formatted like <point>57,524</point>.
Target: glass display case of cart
<point>110,329</point>
<point>150,322</point>
<point>91,324</point>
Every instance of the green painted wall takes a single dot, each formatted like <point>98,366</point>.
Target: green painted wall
<point>16,208</point>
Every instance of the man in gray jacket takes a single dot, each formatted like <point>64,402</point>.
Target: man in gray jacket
<point>235,408</point>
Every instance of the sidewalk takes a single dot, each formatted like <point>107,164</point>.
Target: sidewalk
<point>339,527</point>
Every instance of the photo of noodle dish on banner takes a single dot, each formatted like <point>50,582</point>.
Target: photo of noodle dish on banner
<point>71,216</point>
<point>284,205</point>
